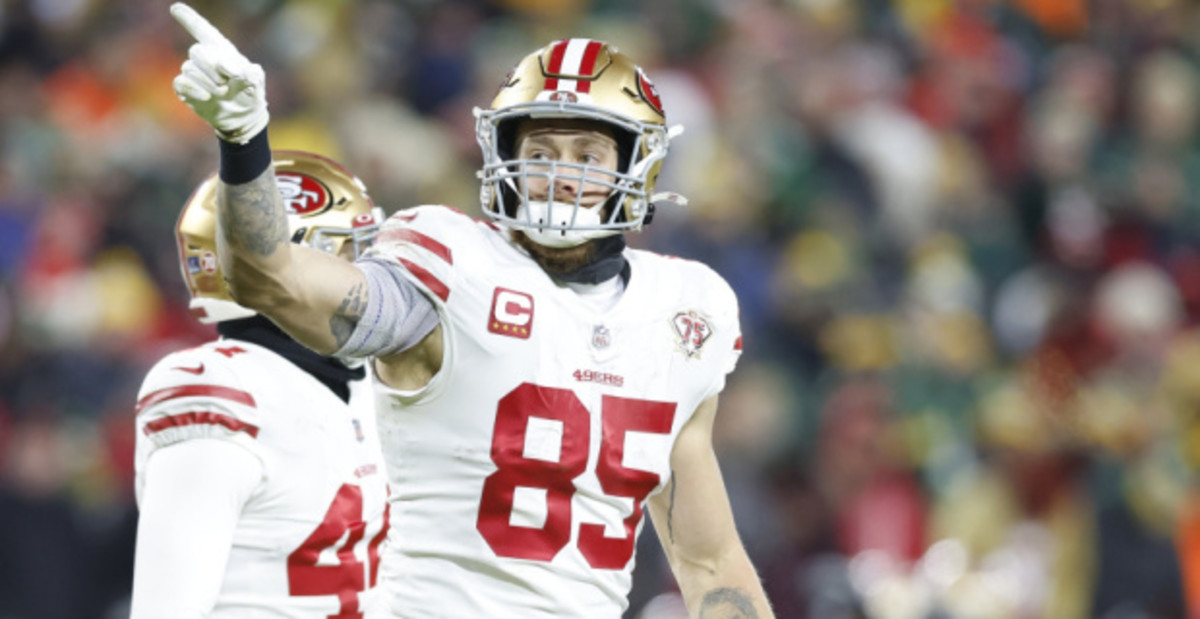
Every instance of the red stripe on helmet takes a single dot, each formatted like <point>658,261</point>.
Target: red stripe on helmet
<point>587,65</point>
<point>555,67</point>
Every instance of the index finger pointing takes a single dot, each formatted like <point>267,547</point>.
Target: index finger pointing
<point>196,25</point>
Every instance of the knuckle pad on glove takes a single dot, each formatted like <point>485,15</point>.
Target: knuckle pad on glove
<point>256,74</point>
<point>187,89</point>
<point>207,61</point>
<point>200,78</point>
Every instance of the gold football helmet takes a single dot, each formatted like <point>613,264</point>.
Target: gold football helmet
<point>327,207</point>
<point>574,79</point>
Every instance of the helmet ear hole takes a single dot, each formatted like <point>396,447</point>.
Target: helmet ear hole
<point>298,235</point>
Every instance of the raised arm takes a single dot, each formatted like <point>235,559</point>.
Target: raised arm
<point>695,524</point>
<point>316,297</point>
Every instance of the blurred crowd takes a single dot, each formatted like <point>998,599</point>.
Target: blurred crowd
<point>965,235</point>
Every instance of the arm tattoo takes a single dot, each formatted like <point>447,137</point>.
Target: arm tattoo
<point>671,511</point>
<point>252,219</point>
<point>727,603</point>
<point>347,315</point>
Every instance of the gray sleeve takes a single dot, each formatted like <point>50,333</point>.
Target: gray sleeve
<point>397,315</point>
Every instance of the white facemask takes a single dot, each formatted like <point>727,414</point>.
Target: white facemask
<point>558,216</point>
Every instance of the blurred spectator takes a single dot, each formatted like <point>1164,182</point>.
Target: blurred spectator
<point>964,236</point>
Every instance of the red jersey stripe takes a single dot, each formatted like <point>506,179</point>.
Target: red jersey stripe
<point>409,235</point>
<point>373,547</point>
<point>431,282</point>
<point>555,66</point>
<point>587,65</point>
<point>200,418</point>
<point>187,391</point>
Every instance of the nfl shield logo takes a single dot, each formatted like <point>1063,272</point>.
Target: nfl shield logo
<point>601,337</point>
<point>358,433</point>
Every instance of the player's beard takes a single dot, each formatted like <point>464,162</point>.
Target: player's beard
<point>557,261</point>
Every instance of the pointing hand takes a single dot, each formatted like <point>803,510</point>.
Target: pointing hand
<point>220,84</point>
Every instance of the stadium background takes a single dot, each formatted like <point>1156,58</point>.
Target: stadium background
<point>964,235</point>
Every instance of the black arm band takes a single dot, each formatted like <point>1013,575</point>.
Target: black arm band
<point>242,163</point>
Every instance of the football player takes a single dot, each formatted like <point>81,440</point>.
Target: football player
<point>539,383</point>
<point>260,482</point>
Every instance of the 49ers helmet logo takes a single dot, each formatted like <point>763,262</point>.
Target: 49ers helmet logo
<point>508,79</point>
<point>649,92</point>
<point>302,194</point>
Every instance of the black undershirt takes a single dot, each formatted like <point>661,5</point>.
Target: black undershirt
<point>607,263</point>
<point>259,330</point>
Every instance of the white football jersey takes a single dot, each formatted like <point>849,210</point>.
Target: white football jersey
<point>520,472</point>
<point>308,542</point>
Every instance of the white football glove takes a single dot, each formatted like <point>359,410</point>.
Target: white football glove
<point>220,84</point>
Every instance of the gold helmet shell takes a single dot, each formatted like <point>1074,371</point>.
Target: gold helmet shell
<point>585,71</point>
<point>581,79</point>
<point>327,207</point>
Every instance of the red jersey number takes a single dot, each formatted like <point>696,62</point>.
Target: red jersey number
<point>347,578</point>
<point>618,417</point>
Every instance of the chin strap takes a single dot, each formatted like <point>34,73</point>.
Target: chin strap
<point>607,262</point>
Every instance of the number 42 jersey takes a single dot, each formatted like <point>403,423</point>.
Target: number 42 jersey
<point>307,541</point>
<point>520,472</point>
